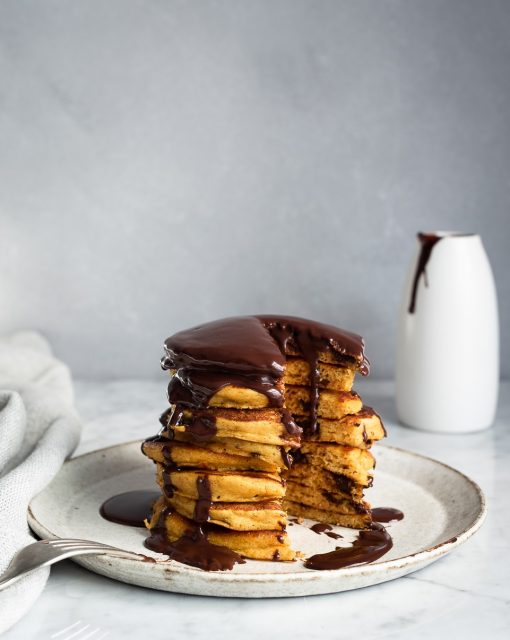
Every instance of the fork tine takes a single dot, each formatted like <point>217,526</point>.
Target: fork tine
<point>59,544</point>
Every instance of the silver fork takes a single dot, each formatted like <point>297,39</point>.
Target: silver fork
<point>47,552</point>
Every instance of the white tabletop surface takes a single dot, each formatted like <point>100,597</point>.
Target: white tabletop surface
<point>465,595</point>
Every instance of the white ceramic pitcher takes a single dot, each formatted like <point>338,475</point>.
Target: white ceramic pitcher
<point>447,374</point>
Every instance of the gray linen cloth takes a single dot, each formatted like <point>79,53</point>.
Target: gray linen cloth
<point>39,429</point>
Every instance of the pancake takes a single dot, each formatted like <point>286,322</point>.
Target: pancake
<point>255,425</point>
<point>314,476</point>
<point>270,453</point>
<point>240,516</point>
<point>319,498</point>
<point>356,464</point>
<point>297,372</point>
<point>184,455</point>
<point>331,404</point>
<point>353,521</point>
<point>228,396</point>
<point>360,430</point>
<point>225,486</point>
<point>258,545</point>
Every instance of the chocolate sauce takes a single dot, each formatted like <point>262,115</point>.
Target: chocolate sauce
<point>201,428</point>
<point>321,527</point>
<point>333,534</point>
<point>250,352</point>
<point>239,344</point>
<point>168,487</point>
<point>204,502</point>
<point>286,457</point>
<point>386,514</point>
<point>370,545</point>
<point>130,508</point>
<point>276,555</point>
<point>194,387</point>
<point>428,242</point>
<point>288,421</point>
<point>194,549</point>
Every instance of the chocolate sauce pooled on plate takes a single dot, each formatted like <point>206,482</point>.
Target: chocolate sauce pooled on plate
<point>386,514</point>
<point>321,527</point>
<point>130,508</point>
<point>370,545</point>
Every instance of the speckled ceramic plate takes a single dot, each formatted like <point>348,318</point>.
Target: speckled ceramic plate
<point>442,507</point>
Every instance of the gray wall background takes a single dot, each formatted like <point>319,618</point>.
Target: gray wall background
<point>163,163</point>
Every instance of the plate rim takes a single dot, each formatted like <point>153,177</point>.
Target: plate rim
<point>429,554</point>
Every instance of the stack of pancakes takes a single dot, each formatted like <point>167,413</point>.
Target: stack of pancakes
<point>223,468</point>
<point>333,465</point>
<point>262,423</point>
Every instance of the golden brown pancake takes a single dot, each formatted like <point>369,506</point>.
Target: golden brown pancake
<point>270,453</point>
<point>198,457</point>
<point>319,498</point>
<point>332,404</point>
<point>297,372</point>
<point>258,545</point>
<point>354,521</point>
<point>338,484</point>
<point>254,425</point>
<point>225,486</point>
<point>356,464</point>
<point>241,516</point>
<point>361,429</point>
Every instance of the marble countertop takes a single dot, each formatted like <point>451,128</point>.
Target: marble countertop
<point>464,595</point>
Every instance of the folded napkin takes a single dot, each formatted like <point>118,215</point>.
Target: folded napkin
<point>39,429</point>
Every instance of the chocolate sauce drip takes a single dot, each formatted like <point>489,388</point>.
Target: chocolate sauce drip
<point>343,483</point>
<point>157,439</point>
<point>428,242</point>
<point>297,455</point>
<point>204,502</point>
<point>286,457</point>
<point>129,508</point>
<point>201,428</point>
<point>194,549</point>
<point>386,514</point>
<point>165,417</point>
<point>194,387</point>
<point>168,487</point>
<point>292,428</point>
<point>280,537</point>
<point>370,545</point>
<point>276,556</point>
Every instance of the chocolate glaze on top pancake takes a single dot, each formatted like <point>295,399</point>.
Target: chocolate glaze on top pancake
<point>249,344</point>
<point>250,351</point>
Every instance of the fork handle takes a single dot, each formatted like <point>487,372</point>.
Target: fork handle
<point>12,574</point>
